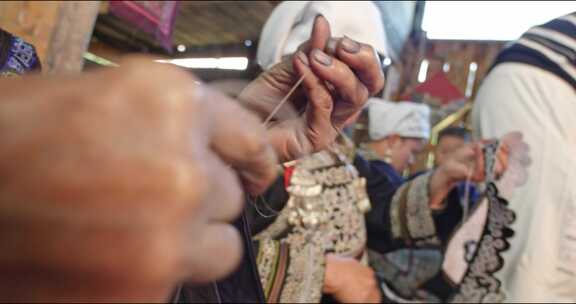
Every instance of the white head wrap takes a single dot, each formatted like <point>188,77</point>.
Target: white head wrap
<point>405,118</point>
<point>290,24</point>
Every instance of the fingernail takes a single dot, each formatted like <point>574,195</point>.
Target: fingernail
<point>350,45</point>
<point>303,58</point>
<point>319,16</point>
<point>321,57</point>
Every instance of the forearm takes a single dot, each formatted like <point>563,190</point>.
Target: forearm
<point>440,186</point>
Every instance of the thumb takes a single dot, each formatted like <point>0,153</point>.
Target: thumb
<point>320,33</point>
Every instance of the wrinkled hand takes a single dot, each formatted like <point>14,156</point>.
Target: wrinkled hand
<point>339,76</point>
<point>468,161</point>
<point>348,281</point>
<point>116,185</point>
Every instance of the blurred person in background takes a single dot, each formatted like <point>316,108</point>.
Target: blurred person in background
<point>397,132</point>
<point>449,141</point>
<point>532,88</point>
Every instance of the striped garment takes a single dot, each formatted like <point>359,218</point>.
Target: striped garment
<point>551,46</point>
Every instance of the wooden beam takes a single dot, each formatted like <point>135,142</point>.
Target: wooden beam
<point>71,36</point>
<point>60,30</point>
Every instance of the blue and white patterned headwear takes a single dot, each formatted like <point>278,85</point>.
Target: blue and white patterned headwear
<point>16,56</point>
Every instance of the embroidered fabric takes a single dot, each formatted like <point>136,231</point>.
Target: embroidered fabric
<point>408,269</point>
<point>470,259</point>
<point>410,214</point>
<point>267,259</point>
<point>479,284</point>
<point>305,275</point>
<point>325,213</point>
<point>395,219</point>
<point>19,57</point>
<point>418,213</point>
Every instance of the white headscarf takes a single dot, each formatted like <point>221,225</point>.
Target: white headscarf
<point>404,118</point>
<point>290,24</point>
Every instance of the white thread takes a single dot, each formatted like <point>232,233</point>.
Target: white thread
<point>277,108</point>
<point>466,202</point>
<point>266,121</point>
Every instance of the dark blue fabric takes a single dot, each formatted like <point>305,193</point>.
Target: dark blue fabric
<point>472,193</point>
<point>381,185</point>
<point>383,168</point>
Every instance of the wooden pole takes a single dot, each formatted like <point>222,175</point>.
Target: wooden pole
<point>71,36</point>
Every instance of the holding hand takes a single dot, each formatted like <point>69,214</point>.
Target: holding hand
<point>117,185</point>
<point>348,281</point>
<point>466,162</point>
<point>339,76</point>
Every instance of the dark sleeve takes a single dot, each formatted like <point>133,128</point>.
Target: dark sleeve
<point>380,191</point>
<point>263,210</point>
<point>449,218</point>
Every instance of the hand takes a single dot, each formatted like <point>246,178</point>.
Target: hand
<point>339,76</point>
<point>348,281</point>
<point>116,185</point>
<point>468,161</point>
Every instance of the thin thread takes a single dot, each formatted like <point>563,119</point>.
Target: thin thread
<point>283,101</point>
<point>267,205</point>
<point>255,204</point>
<point>266,121</point>
<point>466,202</point>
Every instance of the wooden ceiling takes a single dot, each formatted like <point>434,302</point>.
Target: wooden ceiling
<point>199,24</point>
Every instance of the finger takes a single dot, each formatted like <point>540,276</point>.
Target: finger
<point>239,138</point>
<point>320,108</point>
<point>223,201</point>
<point>210,229</point>
<point>351,92</point>
<point>319,37</point>
<point>320,33</point>
<point>363,60</point>
<point>501,161</point>
<point>212,251</point>
<point>479,174</point>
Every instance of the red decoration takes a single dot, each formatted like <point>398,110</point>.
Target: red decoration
<point>441,88</point>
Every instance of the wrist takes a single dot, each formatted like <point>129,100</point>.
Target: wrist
<point>440,185</point>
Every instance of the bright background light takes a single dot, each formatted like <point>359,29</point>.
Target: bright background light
<point>224,63</point>
<point>488,20</point>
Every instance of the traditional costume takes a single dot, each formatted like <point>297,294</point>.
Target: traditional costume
<point>532,88</point>
<point>318,207</point>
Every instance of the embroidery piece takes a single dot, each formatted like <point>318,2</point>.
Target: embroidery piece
<point>324,214</point>
<point>479,284</point>
<point>410,214</point>
<point>408,269</point>
<point>419,216</point>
